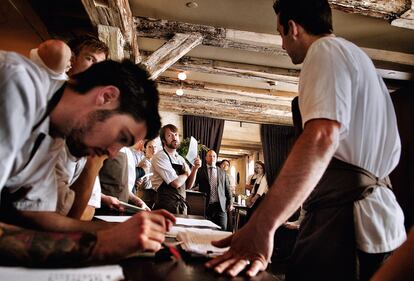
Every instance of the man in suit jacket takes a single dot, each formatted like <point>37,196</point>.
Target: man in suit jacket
<point>214,182</point>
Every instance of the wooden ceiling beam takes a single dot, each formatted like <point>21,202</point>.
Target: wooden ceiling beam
<point>116,13</point>
<point>282,100</point>
<point>218,104</point>
<point>257,42</point>
<point>406,20</point>
<point>384,9</point>
<point>212,36</point>
<point>171,52</point>
<point>113,38</point>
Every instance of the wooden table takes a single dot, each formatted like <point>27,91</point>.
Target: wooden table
<point>237,209</point>
<point>153,269</point>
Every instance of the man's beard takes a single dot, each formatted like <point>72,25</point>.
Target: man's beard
<point>74,140</point>
<point>172,145</point>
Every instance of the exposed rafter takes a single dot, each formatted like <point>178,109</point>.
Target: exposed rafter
<point>212,36</point>
<point>225,102</point>
<point>384,9</point>
<point>406,20</point>
<point>171,52</point>
<point>115,13</point>
<point>243,40</point>
<point>113,38</point>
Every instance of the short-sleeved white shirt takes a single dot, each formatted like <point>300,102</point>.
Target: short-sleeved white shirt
<point>339,82</point>
<point>263,187</point>
<point>132,173</point>
<point>162,168</point>
<point>24,92</point>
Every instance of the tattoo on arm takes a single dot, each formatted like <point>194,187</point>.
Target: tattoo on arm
<point>25,247</point>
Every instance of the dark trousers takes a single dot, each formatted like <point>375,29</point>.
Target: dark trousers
<point>368,264</point>
<point>216,215</point>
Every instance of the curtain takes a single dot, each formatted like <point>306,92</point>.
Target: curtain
<point>276,141</point>
<point>207,131</point>
<point>402,178</point>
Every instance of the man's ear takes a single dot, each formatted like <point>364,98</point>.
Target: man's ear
<point>107,95</point>
<point>293,28</point>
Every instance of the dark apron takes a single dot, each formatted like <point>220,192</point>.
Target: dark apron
<point>171,198</point>
<point>325,248</point>
<point>256,204</point>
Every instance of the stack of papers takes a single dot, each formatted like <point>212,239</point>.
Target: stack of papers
<point>93,273</point>
<point>196,223</point>
<point>198,241</point>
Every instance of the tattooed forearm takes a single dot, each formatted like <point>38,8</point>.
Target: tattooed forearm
<point>24,247</point>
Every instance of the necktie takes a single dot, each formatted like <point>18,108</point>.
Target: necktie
<point>213,185</point>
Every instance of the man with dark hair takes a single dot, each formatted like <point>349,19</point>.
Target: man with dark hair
<point>109,106</point>
<point>214,182</point>
<point>339,164</point>
<point>171,173</point>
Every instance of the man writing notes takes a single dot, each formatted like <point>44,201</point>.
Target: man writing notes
<point>108,106</point>
<point>339,164</point>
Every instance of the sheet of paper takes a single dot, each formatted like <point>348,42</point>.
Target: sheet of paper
<point>174,231</point>
<point>197,240</point>
<point>113,218</point>
<point>131,208</point>
<point>93,273</point>
<point>196,223</point>
<point>192,150</point>
<point>146,176</point>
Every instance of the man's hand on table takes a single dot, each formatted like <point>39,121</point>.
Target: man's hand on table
<point>250,249</point>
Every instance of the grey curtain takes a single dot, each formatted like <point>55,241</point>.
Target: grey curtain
<point>208,131</point>
<point>402,178</point>
<point>276,142</point>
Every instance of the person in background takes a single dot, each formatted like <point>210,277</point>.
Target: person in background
<point>339,164</point>
<point>225,165</point>
<point>172,176</point>
<point>86,51</point>
<point>257,184</point>
<point>144,186</point>
<point>214,182</point>
<point>131,178</point>
<point>78,177</point>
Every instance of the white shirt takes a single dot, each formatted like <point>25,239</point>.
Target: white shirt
<point>163,171</point>
<point>263,187</point>
<point>339,82</point>
<point>24,92</point>
<point>68,169</point>
<point>56,78</point>
<point>95,200</point>
<point>132,173</point>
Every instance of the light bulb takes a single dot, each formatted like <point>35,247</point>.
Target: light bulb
<point>182,76</point>
<point>179,92</point>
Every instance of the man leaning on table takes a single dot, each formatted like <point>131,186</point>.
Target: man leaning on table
<point>340,162</point>
<point>98,111</point>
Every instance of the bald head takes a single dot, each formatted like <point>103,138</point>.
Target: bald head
<point>211,158</point>
<point>55,54</point>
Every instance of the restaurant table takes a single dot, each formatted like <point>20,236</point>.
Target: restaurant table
<point>237,209</point>
<point>153,269</point>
